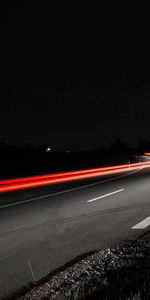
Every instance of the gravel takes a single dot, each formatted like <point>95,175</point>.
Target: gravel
<point>122,272</point>
<point>90,274</point>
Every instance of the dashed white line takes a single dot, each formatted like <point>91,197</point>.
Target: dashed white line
<point>106,195</point>
<point>142,225</point>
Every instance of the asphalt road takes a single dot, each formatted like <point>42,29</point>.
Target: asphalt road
<point>52,230</point>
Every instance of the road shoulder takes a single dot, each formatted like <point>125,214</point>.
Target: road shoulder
<point>121,271</point>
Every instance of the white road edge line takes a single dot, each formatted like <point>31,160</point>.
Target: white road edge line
<point>69,190</point>
<point>106,195</point>
<point>142,225</point>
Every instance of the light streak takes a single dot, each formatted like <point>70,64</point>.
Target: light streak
<point>41,180</point>
<point>66,174</point>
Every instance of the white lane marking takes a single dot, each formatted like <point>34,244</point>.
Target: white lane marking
<point>145,223</point>
<point>70,190</point>
<point>106,195</point>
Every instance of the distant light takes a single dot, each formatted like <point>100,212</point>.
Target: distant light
<point>48,149</point>
<point>147,153</point>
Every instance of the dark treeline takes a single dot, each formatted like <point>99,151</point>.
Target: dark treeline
<point>29,160</point>
<point>118,145</point>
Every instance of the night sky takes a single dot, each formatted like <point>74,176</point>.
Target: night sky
<point>64,82</point>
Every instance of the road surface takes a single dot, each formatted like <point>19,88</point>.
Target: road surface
<point>50,231</point>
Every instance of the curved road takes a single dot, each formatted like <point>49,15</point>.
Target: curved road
<point>54,229</point>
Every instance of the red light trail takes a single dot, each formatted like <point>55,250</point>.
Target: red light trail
<point>41,180</point>
<point>70,173</point>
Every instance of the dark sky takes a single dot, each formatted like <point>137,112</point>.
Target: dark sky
<point>65,80</point>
